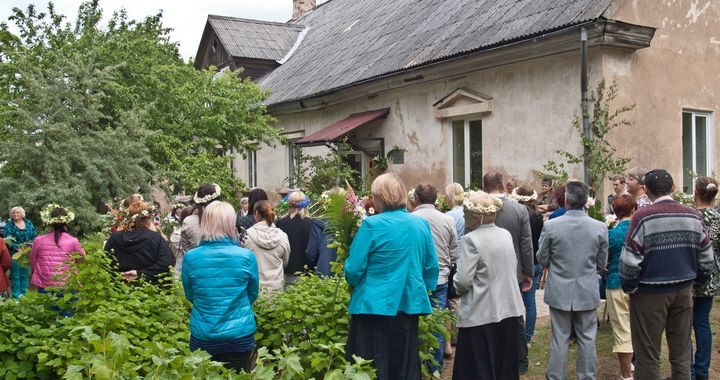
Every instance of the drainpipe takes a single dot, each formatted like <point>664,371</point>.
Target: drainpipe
<point>584,100</point>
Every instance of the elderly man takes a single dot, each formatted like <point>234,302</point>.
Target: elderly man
<point>444,237</point>
<point>515,219</point>
<point>574,247</point>
<point>665,251</point>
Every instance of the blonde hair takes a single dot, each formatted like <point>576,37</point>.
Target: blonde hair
<point>389,192</point>
<point>218,222</point>
<point>17,208</point>
<point>296,197</point>
<point>454,193</point>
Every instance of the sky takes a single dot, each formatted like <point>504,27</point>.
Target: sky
<point>186,17</point>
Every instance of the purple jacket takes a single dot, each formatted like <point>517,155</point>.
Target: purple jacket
<point>48,259</point>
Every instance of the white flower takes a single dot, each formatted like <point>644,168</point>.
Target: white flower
<point>371,211</point>
<point>523,198</point>
<point>590,202</point>
<point>208,197</point>
<point>610,219</point>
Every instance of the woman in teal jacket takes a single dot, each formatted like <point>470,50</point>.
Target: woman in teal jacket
<point>221,281</point>
<point>391,267</point>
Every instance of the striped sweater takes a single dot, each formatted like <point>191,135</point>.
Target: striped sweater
<point>666,248</point>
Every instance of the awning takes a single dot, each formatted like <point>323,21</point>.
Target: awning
<point>343,127</point>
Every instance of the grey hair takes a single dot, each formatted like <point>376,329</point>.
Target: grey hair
<point>638,173</point>
<point>17,208</point>
<point>218,222</point>
<point>576,194</point>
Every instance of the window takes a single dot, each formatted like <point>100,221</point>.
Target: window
<point>696,146</point>
<point>467,152</point>
<point>293,165</point>
<point>252,168</point>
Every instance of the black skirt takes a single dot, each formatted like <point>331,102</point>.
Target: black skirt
<point>488,352</point>
<point>390,342</point>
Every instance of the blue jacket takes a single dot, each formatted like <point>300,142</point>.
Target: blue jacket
<point>221,280</point>
<point>318,253</point>
<point>392,265</point>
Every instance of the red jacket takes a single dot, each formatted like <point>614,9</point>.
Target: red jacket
<point>4,266</point>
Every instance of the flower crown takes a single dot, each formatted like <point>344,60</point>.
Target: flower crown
<point>302,204</point>
<point>208,197</point>
<point>411,195</point>
<point>142,213</point>
<point>523,198</point>
<point>478,209</point>
<point>63,219</point>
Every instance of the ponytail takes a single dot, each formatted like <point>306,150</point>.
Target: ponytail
<point>266,211</point>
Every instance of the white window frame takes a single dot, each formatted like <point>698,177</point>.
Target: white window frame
<point>252,168</point>
<point>709,143</point>
<point>466,148</point>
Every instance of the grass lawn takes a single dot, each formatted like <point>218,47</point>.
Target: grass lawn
<point>607,361</point>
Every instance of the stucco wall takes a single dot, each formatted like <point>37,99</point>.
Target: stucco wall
<point>534,102</point>
<point>681,70</point>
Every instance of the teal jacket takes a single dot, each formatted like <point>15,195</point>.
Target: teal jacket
<point>392,265</point>
<point>221,280</point>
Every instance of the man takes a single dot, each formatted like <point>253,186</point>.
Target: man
<point>444,236</point>
<point>574,248</point>
<point>515,219</point>
<point>618,184</point>
<point>665,251</point>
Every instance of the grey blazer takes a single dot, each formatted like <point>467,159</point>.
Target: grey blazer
<point>574,247</point>
<point>514,218</point>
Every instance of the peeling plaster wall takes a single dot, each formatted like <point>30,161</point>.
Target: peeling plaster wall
<point>681,70</point>
<point>534,103</point>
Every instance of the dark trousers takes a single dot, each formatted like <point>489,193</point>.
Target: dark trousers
<point>651,313</point>
<point>239,361</point>
<point>391,343</point>
<point>702,306</point>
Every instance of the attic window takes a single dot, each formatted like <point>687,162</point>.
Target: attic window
<point>214,46</point>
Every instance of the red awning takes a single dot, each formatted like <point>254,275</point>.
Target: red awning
<point>342,127</point>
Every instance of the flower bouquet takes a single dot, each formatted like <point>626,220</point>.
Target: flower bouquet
<point>344,212</point>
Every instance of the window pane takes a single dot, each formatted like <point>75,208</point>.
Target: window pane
<point>476,153</point>
<point>687,151</point>
<point>458,131</point>
<point>701,168</point>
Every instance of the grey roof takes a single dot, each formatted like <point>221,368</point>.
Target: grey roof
<point>255,39</point>
<point>349,41</point>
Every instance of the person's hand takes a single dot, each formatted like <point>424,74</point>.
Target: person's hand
<point>130,275</point>
<point>526,284</point>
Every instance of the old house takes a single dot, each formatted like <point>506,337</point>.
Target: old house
<point>465,86</point>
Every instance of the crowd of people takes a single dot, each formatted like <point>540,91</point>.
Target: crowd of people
<point>653,259</point>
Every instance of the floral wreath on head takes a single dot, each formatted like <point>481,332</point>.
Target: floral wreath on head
<point>302,204</point>
<point>62,219</point>
<point>143,213</point>
<point>209,197</point>
<point>523,198</point>
<point>476,208</point>
<point>411,195</point>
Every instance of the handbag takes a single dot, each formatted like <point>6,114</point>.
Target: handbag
<point>452,293</point>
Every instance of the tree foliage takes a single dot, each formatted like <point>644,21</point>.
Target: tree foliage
<point>90,112</point>
<point>317,174</point>
<point>602,157</point>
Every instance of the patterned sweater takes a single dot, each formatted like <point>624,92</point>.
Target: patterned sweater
<point>666,248</point>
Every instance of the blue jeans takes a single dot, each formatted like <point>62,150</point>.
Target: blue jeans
<point>530,307</point>
<point>438,299</point>
<point>703,336</point>
<point>19,279</point>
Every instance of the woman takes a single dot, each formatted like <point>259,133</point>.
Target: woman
<point>140,252</point>
<point>270,246</point>
<point>220,279</point>
<point>636,186</point>
<point>526,196</point>
<point>244,222</point>
<point>488,340</point>
<point>190,231</point>
<point>297,226</point>
<point>51,252</point>
<point>559,199</point>
<point>21,232</point>
<point>391,267</point>
<point>618,303</point>
<point>454,193</point>
<point>5,261</point>
<point>706,189</point>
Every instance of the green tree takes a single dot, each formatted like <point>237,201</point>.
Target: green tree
<point>89,113</point>
<point>602,156</point>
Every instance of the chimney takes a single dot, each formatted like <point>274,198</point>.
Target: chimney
<point>300,7</point>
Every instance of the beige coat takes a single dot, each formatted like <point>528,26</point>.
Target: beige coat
<point>272,250</point>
